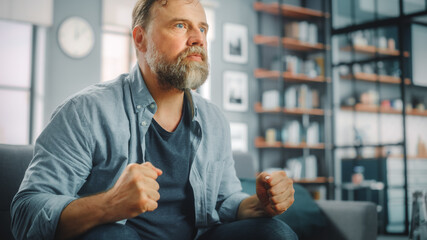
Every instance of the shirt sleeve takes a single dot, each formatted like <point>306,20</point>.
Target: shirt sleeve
<point>61,163</point>
<point>230,193</point>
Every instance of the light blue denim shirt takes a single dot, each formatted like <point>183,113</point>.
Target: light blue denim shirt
<point>96,133</point>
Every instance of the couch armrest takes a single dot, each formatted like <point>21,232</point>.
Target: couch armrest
<point>351,220</point>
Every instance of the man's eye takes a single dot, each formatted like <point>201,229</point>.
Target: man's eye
<point>179,25</point>
<point>203,30</point>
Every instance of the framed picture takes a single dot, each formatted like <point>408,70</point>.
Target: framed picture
<point>235,91</point>
<point>239,136</point>
<point>235,43</point>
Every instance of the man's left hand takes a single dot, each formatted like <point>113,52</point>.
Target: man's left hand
<point>275,192</point>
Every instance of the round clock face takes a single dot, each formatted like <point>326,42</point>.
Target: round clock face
<point>76,37</point>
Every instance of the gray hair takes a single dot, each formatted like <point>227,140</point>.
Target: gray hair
<point>141,12</point>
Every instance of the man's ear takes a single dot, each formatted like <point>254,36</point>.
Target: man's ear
<point>139,38</point>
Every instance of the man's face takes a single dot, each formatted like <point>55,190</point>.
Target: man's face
<point>176,44</point>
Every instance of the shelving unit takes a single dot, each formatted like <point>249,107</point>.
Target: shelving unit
<point>373,83</point>
<point>274,43</point>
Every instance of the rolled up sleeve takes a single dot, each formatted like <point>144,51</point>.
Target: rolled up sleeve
<point>61,163</point>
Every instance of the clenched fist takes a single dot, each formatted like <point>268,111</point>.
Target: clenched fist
<point>275,192</point>
<point>135,192</point>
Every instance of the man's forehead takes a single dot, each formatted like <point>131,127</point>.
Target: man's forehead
<point>176,6</point>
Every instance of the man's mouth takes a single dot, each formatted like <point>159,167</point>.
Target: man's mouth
<point>195,57</point>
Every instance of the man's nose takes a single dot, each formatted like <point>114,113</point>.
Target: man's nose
<point>196,38</point>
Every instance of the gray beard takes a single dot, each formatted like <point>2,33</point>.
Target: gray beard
<point>179,74</point>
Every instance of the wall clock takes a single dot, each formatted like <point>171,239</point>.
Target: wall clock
<point>76,37</point>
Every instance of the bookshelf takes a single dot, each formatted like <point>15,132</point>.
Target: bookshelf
<point>293,104</point>
<point>379,110</point>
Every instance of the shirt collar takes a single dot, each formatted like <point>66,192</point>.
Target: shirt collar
<point>141,97</point>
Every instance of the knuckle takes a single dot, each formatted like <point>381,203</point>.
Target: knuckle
<point>156,186</point>
<point>132,167</point>
<point>274,200</point>
<point>147,164</point>
<point>141,188</point>
<point>143,202</point>
<point>157,196</point>
<point>135,180</point>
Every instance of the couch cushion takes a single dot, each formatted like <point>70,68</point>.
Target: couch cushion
<point>14,161</point>
<point>304,216</point>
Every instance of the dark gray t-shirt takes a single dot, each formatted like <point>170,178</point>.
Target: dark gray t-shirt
<point>170,152</point>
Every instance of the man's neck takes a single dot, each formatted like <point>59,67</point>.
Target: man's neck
<point>169,102</point>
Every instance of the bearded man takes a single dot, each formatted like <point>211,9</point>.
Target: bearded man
<point>143,157</point>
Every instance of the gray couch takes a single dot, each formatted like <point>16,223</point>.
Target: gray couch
<point>14,161</point>
<point>345,220</point>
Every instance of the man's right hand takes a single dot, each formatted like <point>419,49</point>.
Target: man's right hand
<point>135,192</point>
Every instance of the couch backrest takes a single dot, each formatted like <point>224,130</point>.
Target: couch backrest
<point>244,165</point>
<point>14,161</point>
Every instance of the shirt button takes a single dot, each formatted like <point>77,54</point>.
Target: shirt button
<point>152,106</point>
<point>144,123</point>
<point>138,107</point>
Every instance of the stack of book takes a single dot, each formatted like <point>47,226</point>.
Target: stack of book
<point>302,167</point>
<point>303,31</point>
<point>301,97</point>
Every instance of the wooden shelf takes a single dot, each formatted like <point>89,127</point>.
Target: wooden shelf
<point>371,109</point>
<point>259,109</point>
<point>361,108</point>
<point>297,45</point>
<point>386,110</point>
<point>302,111</point>
<point>318,180</point>
<point>319,146</point>
<point>295,111</point>
<point>288,76</point>
<point>371,77</point>
<point>289,43</point>
<point>373,50</point>
<point>392,80</point>
<point>289,10</point>
<point>409,157</point>
<point>389,110</point>
<point>261,143</point>
<point>417,113</point>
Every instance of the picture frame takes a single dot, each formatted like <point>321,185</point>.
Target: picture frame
<point>235,91</point>
<point>239,136</point>
<point>235,42</point>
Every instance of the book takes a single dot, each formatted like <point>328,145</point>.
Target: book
<point>294,130</point>
<point>303,31</point>
<point>295,168</point>
<point>311,167</point>
<point>291,97</point>
<point>270,99</point>
<point>312,33</point>
<point>313,133</point>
